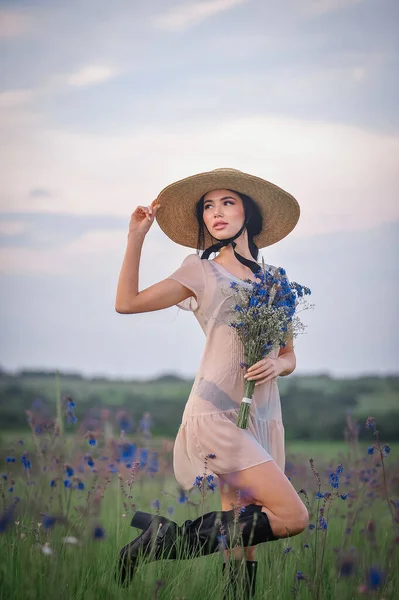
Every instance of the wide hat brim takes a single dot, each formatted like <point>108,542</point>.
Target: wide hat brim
<point>176,214</point>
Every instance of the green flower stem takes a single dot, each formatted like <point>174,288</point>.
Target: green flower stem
<point>245,407</point>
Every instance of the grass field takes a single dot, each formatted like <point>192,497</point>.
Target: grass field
<point>62,541</point>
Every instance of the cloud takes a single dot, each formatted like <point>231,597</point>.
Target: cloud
<point>319,7</point>
<point>332,169</point>
<point>90,75</point>
<point>12,228</point>
<point>14,24</point>
<point>16,98</point>
<point>183,16</point>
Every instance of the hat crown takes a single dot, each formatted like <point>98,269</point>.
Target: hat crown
<point>225,170</point>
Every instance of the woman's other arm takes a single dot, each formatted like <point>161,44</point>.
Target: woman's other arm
<point>287,358</point>
<point>156,297</point>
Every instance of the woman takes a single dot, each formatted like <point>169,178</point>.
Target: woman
<point>242,213</point>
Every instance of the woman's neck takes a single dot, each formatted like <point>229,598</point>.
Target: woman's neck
<point>227,253</point>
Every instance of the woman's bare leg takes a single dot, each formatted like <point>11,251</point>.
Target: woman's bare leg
<point>267,486</point>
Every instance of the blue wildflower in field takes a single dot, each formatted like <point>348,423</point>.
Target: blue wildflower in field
<point>334,477</point>
<point>49,521</point>
<point>26,461</point>
<point>375,578</point>
<point>198,481</point>
<point>98,533</point>
<point>67,483</point>
<point>153,465</point>
<point>92,441</point>
<point>69,470</point>
<point>386,450</point>
<point>370,450</point>
<point>143,457</point>
<point>127,452</point>
<point>10,459</point>
<point>182,497</point>
<point>300,576</point>
<point>322,523</point>
<point>70,405</point>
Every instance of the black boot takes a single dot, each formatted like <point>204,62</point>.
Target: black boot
<point>217,530</point>
<point>231,587</point>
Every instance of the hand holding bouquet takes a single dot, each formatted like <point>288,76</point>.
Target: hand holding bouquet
<point>264,315</point>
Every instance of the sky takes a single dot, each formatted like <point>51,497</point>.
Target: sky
<point>102,104</point>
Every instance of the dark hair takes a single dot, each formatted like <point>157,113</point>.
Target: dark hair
<point>252,215</point>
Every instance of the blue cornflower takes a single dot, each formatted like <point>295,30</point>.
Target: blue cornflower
<point>287,549</point>
<point>211,455</point>
<point>92,442</point>
<point>81,485</point>
<point>319,495</point>
<point>322,523</point>
<point>69,471</point>
<point>90,462</point>
<point>343,496</point>
<point>98,533</point>
<point>198,480</point>
<point>386,450</point>
<point>182,497</point>
<point>4,476</point>
<point>49,521</point>
<point>10,489</point>
<point>10,459</point>
<point>370,450</point>
<point>153,465</point>
<point>300,576</point>
<point>375,578</point>
<point>26,462</point>
<point>143,457</point>
<point>311,526</point>
<point>67,483</point>
<point>52,483</point>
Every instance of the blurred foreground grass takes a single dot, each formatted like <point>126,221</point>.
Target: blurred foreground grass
<point>62,541</point>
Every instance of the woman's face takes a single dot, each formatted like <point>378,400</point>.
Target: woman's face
<point>223,213</point>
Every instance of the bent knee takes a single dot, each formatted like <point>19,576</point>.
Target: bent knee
<point>293,525</point>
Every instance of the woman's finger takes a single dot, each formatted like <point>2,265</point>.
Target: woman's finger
<point>261,371</point>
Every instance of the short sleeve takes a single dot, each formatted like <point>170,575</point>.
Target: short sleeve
<point>191,274</point>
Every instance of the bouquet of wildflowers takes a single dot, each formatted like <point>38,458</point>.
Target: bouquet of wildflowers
<point>264,316</point>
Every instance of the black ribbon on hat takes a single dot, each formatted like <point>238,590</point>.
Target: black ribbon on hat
<point>216,247</point>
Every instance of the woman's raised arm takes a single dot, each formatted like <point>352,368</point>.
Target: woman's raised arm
<point>156,297</point>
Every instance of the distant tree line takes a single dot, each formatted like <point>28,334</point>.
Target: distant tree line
<point>314,408</point>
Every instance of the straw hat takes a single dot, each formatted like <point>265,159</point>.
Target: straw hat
<point>176,214</point>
